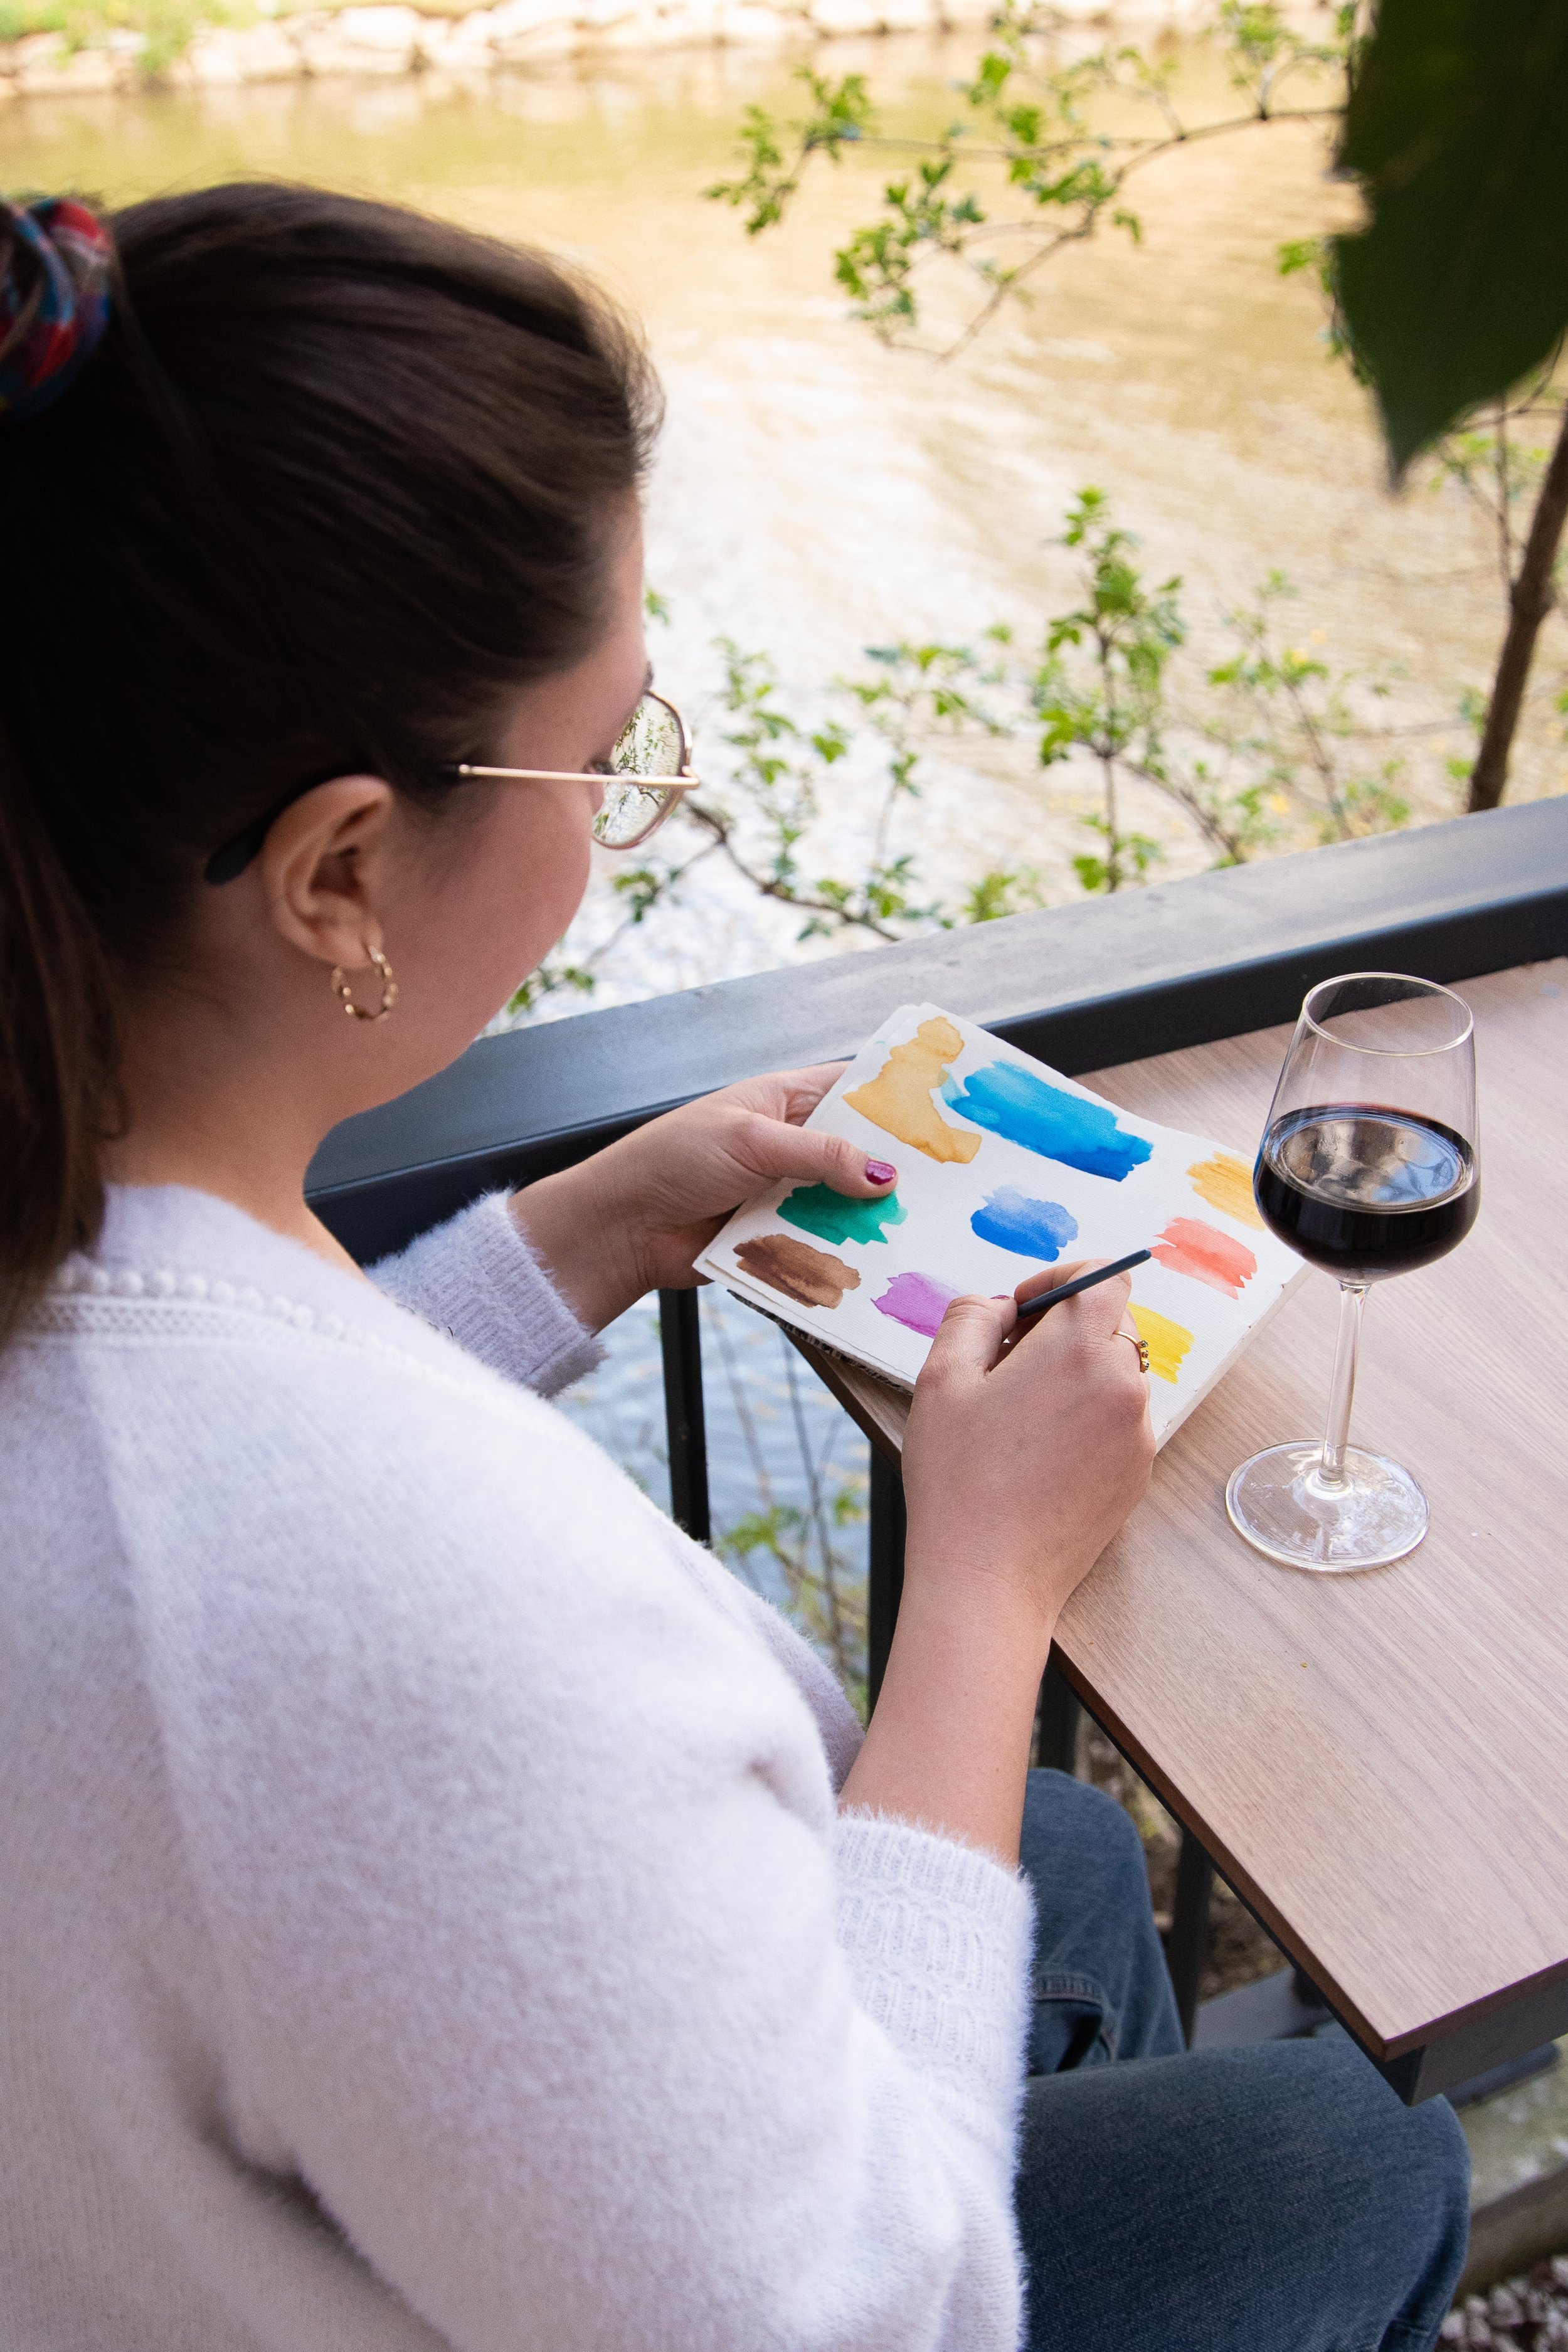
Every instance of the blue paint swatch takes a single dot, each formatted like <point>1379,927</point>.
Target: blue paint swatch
<point>1032,1228</point>
<point>1015,1103</point>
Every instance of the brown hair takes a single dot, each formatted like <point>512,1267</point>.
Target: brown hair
<point>338,479</point>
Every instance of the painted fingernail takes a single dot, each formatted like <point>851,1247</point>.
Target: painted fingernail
<point>878,1171</point>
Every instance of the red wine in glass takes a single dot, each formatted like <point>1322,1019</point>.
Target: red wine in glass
<point>1364,1192</point>
<point>1369,1167</point>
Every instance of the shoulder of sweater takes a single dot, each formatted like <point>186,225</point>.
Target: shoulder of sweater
<point>217,1353</point>
<point>178,1266</point>
<point>281,1491</point>
<point>392,1435</point>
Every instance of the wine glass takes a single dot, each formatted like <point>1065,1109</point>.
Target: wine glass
<point>1369,1167</point>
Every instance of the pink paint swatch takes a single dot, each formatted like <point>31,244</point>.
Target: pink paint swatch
<point>1189,1246</point>
<point>917,1301</point>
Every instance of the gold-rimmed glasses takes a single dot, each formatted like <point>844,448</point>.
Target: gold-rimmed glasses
<point>647,775</point>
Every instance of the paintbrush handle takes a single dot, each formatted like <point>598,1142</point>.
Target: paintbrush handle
<point>1084,1282</point>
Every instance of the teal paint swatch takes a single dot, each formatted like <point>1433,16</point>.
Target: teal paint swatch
<point>817,1209</point>
<point>1032,1228</point>
<point>1015,1103</point>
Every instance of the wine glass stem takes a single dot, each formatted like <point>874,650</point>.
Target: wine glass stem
<point>1353,1298</point>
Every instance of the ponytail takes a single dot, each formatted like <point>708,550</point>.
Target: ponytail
<point>56,1057</point>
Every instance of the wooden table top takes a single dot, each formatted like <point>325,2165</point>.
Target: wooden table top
<point>1378,1763</point>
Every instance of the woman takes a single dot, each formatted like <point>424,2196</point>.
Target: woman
<point>443,1908</point>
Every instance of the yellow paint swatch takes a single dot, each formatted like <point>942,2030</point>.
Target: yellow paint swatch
<point>899,1101</point>
<point>1167,1343</point>
<point>1227,1185</point>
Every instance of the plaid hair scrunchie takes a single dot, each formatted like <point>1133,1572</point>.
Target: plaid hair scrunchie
<point>54,300</point>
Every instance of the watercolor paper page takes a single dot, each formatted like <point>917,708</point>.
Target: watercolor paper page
<point>1004,1167</point>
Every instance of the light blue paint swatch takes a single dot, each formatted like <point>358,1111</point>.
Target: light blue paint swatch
<point>1016,1103</point>
<point>1032,1228</point>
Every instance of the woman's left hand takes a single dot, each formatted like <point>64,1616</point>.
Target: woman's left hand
<point>632,1218</point>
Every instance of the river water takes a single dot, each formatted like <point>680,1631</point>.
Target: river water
<point>817,494</point>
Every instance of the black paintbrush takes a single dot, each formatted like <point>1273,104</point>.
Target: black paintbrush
<point>1085,1282</point>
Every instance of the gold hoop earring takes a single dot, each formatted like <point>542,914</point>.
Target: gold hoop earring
<point>343,989</point>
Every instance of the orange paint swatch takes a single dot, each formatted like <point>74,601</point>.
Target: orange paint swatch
<point>899,1099</point>
<point>811,1277</point>
<point>1227,1185</point>
<point>1189,1246</point>
<point>1167,1343</point>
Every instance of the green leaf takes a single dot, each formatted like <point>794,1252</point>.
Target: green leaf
<point>1457,128</point>
<point>1092,872</point>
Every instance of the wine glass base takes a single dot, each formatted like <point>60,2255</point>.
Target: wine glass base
<point>1280,1503</point>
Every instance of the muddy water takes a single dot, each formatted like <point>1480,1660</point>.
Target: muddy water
<point>817,494</point>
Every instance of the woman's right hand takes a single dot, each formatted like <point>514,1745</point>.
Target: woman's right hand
<point>1025,1449</point>
<point>1025,1453</point>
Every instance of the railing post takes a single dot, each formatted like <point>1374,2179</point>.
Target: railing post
<point>885,1568</point>
<point>681,1342</point>
<point>1187,1945</point>
<point>1057,1719</point>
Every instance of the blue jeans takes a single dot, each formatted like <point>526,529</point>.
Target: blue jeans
<point>1276,2199</point>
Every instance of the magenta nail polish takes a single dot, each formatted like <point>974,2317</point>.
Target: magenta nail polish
<point>878,1171</point>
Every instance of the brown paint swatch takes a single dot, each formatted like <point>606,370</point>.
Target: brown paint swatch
<point>809,1276</point>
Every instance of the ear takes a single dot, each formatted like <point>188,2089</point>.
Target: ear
<point>323,865</point>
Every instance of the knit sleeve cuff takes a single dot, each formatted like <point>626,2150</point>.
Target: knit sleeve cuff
<point>478,1280</point>
<point>940,1942</point>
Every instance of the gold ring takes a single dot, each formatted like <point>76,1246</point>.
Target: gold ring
<point>1138,1341</point>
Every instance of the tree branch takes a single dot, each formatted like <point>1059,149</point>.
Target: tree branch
<point>1530,600</point>
<point>769,887</point>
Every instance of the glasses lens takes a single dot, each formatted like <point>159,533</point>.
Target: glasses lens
<point>650,743</point>
<point>628,811</point>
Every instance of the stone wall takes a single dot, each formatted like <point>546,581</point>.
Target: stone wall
<point>393,39</point>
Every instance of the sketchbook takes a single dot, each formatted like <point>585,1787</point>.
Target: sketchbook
<point>1004,1166</point>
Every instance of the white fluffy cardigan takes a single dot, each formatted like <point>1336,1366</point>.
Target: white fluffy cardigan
<point>426,1919</point>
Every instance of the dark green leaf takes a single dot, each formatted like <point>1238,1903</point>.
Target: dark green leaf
<point>1457,127</point>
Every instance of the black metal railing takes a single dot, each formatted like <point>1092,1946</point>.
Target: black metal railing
<point>685,1415</point>
<point>1086,986</point>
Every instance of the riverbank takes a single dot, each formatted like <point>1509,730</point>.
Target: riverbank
<point>212,45</point>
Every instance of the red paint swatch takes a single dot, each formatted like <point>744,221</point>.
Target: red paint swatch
<point>1189,1246</point>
